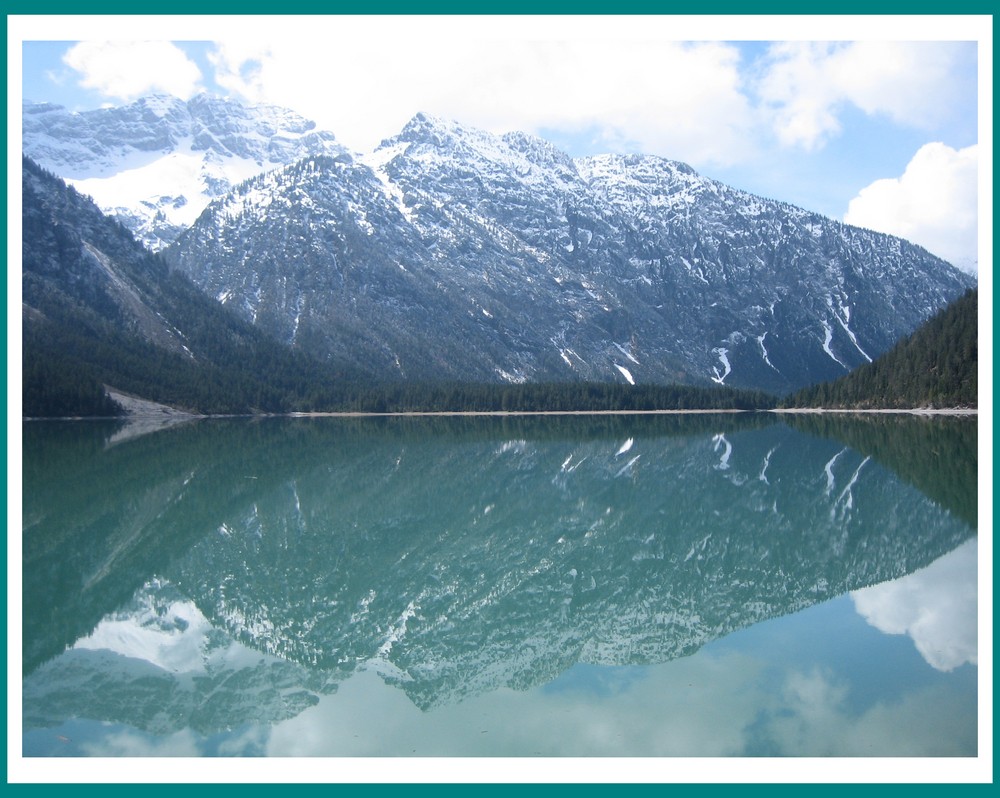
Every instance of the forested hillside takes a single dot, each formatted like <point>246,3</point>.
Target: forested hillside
<point>99,309</point>
<point>936,366</point>
<point>404,397</point>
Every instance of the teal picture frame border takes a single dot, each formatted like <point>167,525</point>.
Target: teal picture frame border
<point>617,773</point>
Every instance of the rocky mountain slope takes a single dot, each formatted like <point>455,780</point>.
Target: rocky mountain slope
<point>451,252</point>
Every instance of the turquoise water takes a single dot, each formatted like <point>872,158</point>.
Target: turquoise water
<point>731,585</point>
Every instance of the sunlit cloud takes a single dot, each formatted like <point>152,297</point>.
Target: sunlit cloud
<point>237,64</point>
<point>933,203</point>
<point>708,103</point>
<point>936,607</point>
<point>658,97</point>
<point>807,86</point>
<point>128,70</point>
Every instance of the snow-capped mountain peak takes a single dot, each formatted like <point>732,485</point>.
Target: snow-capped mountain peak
<point>156,163</point>
<point>625,268</point>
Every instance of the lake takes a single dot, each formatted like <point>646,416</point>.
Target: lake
<point>739,585</point>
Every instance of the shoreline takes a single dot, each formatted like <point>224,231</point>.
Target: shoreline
<point>180,417</point>
<point>913,411</point>
<point>502,413</point>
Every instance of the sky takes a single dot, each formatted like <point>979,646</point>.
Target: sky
<point>882,132</point>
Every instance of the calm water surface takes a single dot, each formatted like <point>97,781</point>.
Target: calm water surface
<point>590,586</point>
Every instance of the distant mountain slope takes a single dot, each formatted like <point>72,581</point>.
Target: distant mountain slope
<point>99,309</point>
<point>451,253</point>
<point>937,366</point>
<point>156,163</point>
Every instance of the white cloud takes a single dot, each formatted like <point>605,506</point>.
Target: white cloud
<point>237,66</point>
<point>933,203</point>
<point>127,70</point>
<point>936,606</point>
<point>626,88</point>
<point>911,82</point>
<point>806,86</point>
<point>795,87</point>
<point>657,96</point>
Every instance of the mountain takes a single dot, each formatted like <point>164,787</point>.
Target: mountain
<point>936,366</point>
<point>99,309</point>
<point>453,253</point>
<point>156,163</point>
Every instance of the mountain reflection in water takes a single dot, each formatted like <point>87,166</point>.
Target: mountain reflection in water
<point>231,572</point>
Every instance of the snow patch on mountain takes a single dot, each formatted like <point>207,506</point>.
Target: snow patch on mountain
<point>626,374</point>
<point>378,161</point>
<point>844,319</point>
<point>763,349</point>
<point>827,340</point>
<point>627,354</point>
<point>723,355</point>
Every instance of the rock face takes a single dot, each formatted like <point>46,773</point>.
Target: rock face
<point>156,163</point>
<point>449,252</point>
